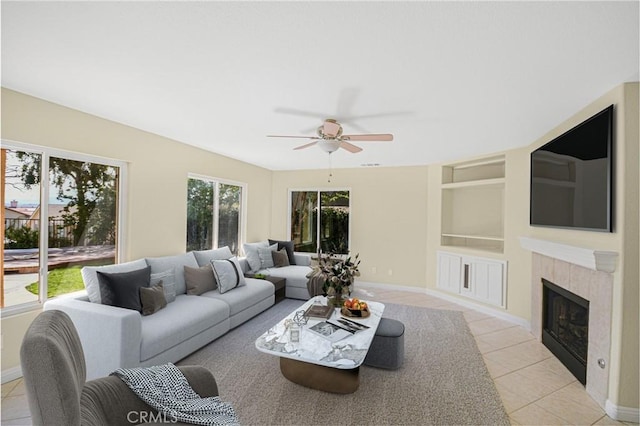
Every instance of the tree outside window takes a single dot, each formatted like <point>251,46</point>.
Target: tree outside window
<point>330,231</point>
<point>214,214</point>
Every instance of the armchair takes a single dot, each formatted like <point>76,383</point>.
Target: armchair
<point>54,372</point>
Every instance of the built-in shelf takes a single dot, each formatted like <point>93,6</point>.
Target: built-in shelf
<point>473,204</point>
<point>468,184</point>
<point>474,237</point>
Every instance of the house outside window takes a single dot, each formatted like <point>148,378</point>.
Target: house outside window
<point>62,210</point>
<point>215,213</point>
<point>328,231</point>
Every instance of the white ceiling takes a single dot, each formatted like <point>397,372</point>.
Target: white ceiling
<point>448,79</point>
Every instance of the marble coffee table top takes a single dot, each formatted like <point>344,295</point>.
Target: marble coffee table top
<point>347,353</point>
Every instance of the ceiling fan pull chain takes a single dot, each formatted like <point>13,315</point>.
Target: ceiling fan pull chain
<point>330,174</point>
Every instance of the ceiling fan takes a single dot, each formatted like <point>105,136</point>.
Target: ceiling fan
<point>329,138</point>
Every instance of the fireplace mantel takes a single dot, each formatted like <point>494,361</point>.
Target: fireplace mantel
<point>597,260</point>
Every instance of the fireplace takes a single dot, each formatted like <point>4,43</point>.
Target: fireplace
<point>565,327</point>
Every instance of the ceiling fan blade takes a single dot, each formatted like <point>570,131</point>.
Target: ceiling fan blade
<point>350,147</point>
<point>297,137</point>
<point>382,137</point>
<point>302,113</point>
<point>306,145</point>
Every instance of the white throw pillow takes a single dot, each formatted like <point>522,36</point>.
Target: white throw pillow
<point>251,251</point>
<point>266,256</point>
<point>228,274</point>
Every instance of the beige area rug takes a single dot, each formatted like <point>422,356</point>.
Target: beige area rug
<point>443,380</point>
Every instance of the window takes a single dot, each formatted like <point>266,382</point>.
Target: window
<point>77,225</point>
<point>214,213</point>
<point>330,231</point>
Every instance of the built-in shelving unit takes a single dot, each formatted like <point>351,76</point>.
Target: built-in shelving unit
<point>473,204</point>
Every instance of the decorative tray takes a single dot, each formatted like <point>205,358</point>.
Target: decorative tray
<point>352,313</point>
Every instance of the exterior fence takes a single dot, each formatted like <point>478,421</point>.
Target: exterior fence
<point>20,232</point>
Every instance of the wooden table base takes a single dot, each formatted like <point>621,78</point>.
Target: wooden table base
<point>319,377</point>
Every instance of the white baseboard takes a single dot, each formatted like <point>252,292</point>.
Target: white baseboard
<point>466,303</point>
<point>622,414</point>
<point>11,374</point>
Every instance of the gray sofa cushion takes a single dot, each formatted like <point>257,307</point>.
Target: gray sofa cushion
<point>241,298</point>
<point>199,280</point>
<point>122,289</point>
<point>204,257</point>
<point>168,280</point>
<point>251,252</point>
<point>152,299</point>
<point>280,258</point>
<point>288,246</point>
<point>90,277</point>
<point>179,321</point>
<point>161,264</point>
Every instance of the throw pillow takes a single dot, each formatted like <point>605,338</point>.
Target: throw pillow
<point>280,258</point>
<point>228,274</point>
<point>266,259</point>
<point>179,261</point>
<point>288,246</point>
<point>168,280</point>
<point>251,251</point>
<point>122,289</point>
<point>90,276</point>
<point>199,280</point>
<point>204,257</point>
<point>152,299</point>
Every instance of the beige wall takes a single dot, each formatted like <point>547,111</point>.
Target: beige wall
<point>157,180</point>
<point>388,217</point>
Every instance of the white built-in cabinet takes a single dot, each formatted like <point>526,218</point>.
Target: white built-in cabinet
<point>478,278</point>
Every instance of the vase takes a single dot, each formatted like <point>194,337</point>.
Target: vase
<point>337,300</point>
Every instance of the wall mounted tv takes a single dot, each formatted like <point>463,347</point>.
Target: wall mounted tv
<point>572,177</point>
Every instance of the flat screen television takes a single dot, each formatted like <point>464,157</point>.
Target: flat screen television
<point>572,177</point>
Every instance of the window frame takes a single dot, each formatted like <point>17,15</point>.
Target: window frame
<point>318,191</point>
<point>121,232</point>
<point>242,223</point>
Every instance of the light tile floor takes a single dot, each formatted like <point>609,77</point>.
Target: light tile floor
<point>536,389</point>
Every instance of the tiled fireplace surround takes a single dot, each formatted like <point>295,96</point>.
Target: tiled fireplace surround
<point>587,273</point>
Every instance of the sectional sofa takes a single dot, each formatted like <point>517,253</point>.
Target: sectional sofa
<point>113,337</point>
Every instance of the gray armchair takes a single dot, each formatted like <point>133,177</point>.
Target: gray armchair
<point>54,370</point>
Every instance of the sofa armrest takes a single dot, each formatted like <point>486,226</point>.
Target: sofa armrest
<point>110,336</point>
<point>302,259</point>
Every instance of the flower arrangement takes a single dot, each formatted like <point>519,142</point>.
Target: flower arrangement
<point>339,274</point>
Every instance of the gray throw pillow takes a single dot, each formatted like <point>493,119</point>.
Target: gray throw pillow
<point>228,274</point>
<point>122,289</point>
<point>280,258</point>
<point>179,261</point>
<point>251,251</point>
<point>90,276</point>
<point>288,246</point>
<point>152,299</point>
<point>266,259</point>
<point>168,280</point>
<point>199,280</point>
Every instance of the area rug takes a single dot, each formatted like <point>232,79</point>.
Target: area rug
<point>443,380</point>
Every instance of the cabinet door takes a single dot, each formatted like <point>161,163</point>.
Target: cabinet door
<point>487,281</point>
<point>449,270</point>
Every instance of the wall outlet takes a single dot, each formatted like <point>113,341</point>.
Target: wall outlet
<point>390,272</point>
<point>374,270</point>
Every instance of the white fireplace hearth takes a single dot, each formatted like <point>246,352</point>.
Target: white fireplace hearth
<point>587,273</point>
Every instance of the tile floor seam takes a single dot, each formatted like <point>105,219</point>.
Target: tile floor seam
<point>509,346</point>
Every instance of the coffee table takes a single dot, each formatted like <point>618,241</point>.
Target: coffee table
<point>315,361</point>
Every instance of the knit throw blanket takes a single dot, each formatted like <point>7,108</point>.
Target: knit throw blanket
<point>165,388</point>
